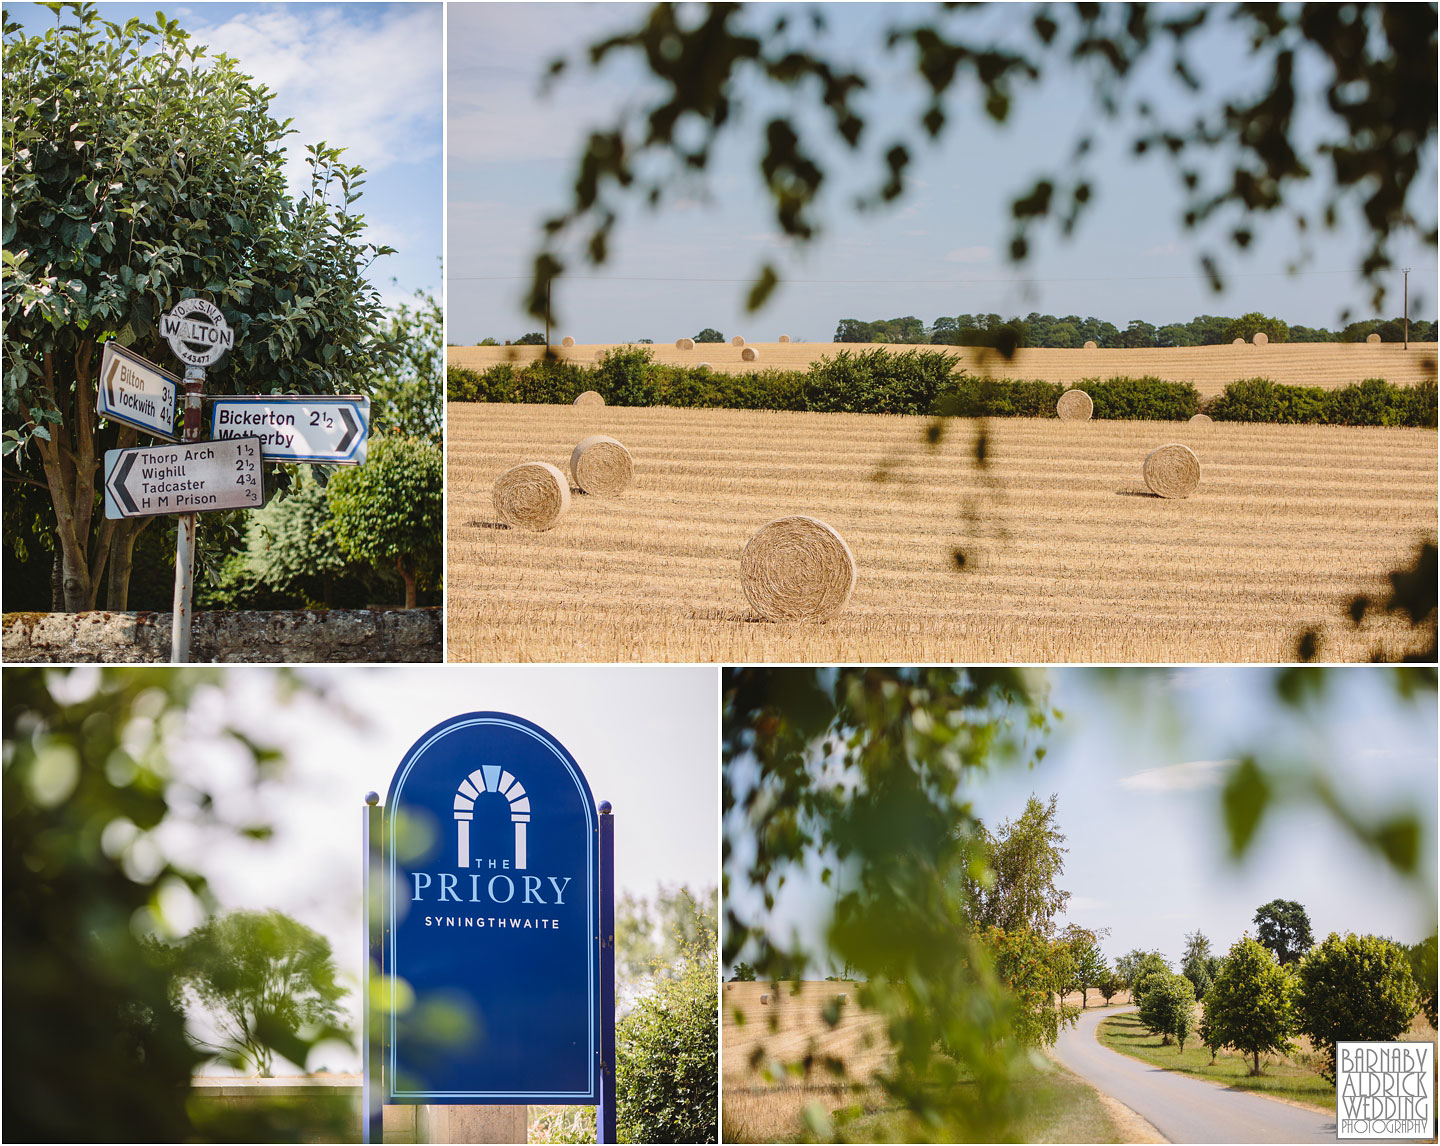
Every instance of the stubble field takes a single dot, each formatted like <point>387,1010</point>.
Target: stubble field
<point>1067,556</point>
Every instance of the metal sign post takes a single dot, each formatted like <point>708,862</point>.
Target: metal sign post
<point>372,1091</point>
<point>605,1112</point>
<point>198,334</point>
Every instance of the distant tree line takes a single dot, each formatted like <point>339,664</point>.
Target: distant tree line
<point>1072,331</point>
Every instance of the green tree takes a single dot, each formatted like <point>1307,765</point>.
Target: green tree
<point>1208,1032</point>
<point>744,973</point>
<point>1109,985</point>
<point>860,768</point>
<point>409,394</point>
<point>95,1048</point>
<point>267,981</point>
<point>1357,988</point>
<point>1167,1006</point>
<point>1023,859</point>
<point>390,510</point>
<point>709,334</point>
<point>1136,963</point>
<point>1035,970</point>
<point>667,1048</point>
<point>1248,325</point>
<point>1423,971</point>
<point>138,171</point>
<point>1138,333</point>
<point>1087,963</point>
<point>653,934</point>
<point>853,330</point>
<point>1284,927</point>
<point>533,338</point>
<point>1196,962</point>
<point>1251,1005</point>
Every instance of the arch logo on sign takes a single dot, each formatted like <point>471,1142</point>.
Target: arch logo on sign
<point>490,857</point>
<point>196,331</point>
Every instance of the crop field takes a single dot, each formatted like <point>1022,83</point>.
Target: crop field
<point>1067,557</point>
<point>1210,368</point>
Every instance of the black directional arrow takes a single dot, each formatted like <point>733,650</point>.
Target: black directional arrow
<point>352,430</point>
<point>110,381</point>
<point>117,483</point>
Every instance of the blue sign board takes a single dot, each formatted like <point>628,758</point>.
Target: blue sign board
<point>492,914</point>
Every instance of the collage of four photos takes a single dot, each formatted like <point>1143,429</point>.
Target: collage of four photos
<point>493,653</point>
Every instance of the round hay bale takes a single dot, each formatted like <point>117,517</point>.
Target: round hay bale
<point>702,366</point>
<point>589,398</point>
<point>1090,344</point>
<point>1074,406</point>
<point>749,354</point>
<point>601,465</point>
<point>1172,471</point>
<point>1372,340</point>
<point>599,354</point>
<point>1237,342</point>
<point>764,1000</point>
<point>797,569</point>
<point>684,344</point>
<point>532,495</point>
<point>567,341</point>
<point>1201,420</point>
<point>737,341</point>
<point>1261,338</point>
<point>784,338</point>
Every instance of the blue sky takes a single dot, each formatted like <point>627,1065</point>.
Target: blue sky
<point>940,250</point>
<point>1138,782</point>
<point>365,77</point>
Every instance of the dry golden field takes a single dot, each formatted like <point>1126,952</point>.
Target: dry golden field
<point>1068,558</point>
<point>1327,364</point>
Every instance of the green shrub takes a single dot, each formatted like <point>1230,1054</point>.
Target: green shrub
<point>1150,398</point>
<point>549,380</point>
<point>625,376</point>
<point>1261,400</point>
<point>970,397</point>
<point>1373,402</point>
<point>879,382</point>
<point>461,385</point>
<point>1357,988</point>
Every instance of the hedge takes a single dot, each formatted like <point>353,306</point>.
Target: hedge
<point>923,382</point>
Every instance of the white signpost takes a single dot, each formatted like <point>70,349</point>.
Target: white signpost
<point>137,392</point>
<point>187,477</point>
<point>196,331</point>
<point>297,428</point>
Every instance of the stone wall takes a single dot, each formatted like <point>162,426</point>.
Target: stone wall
<point>299,636</point>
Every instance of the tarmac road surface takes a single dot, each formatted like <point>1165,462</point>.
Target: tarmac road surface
<point>1185,1109</point>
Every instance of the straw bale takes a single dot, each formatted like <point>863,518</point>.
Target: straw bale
<point>589,398</point>
<point>601,465</point>
<point>1372,339</point>
<point>1237,342</point>
<point>1090,344</point>
<point>1261,338</point>
<point>684,344</point>
<point>1074,406</point>
<point>737,341</point>
<point>749,354</point>
<point>702,366</point>
<point>784,338</point>
<point>532,495</point>
<point>567,341</point>
<point>1172,471</point>
<point>1200,420</point>
<point>797,569</point>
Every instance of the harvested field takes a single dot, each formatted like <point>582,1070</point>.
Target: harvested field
<point>1067,555</point>
<point>1211,368</point>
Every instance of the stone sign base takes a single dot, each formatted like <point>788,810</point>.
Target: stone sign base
<point>300,636</point>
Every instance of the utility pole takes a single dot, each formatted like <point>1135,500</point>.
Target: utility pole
<point>1406,316</point>
<point>547,316</point>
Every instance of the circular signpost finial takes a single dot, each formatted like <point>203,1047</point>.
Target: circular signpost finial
<point>605,808</point>
<point>196,331</point>
<point>372,798</point>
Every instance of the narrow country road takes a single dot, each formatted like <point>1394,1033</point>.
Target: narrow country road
<point>1185,1109</point>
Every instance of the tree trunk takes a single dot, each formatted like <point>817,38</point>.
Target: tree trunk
<point>57,581</point>
<point>409,582</point>
<point>122,560</point>
<point>1256,1071</point>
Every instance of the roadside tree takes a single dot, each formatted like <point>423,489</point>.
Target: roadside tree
<point>1251,1005</point>
<point>1087,964</point>
<point>1284,927</point>
<point>390,510</point>
<point>1024,857</point>
<point>127,189</point>
<point>1167,1006</point>
<point>1197,964</point>
<point>1355,988</point>
<point>1423,970</point>
<point>1109,985</point>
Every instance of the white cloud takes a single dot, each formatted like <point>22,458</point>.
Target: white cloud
<point>371,86</point>
<point>969,255</point>
<point>1191,776</point>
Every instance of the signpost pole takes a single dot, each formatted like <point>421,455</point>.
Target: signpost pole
<point>605,1115</point>
<point>185,534</point>
<point>372,1094</point>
